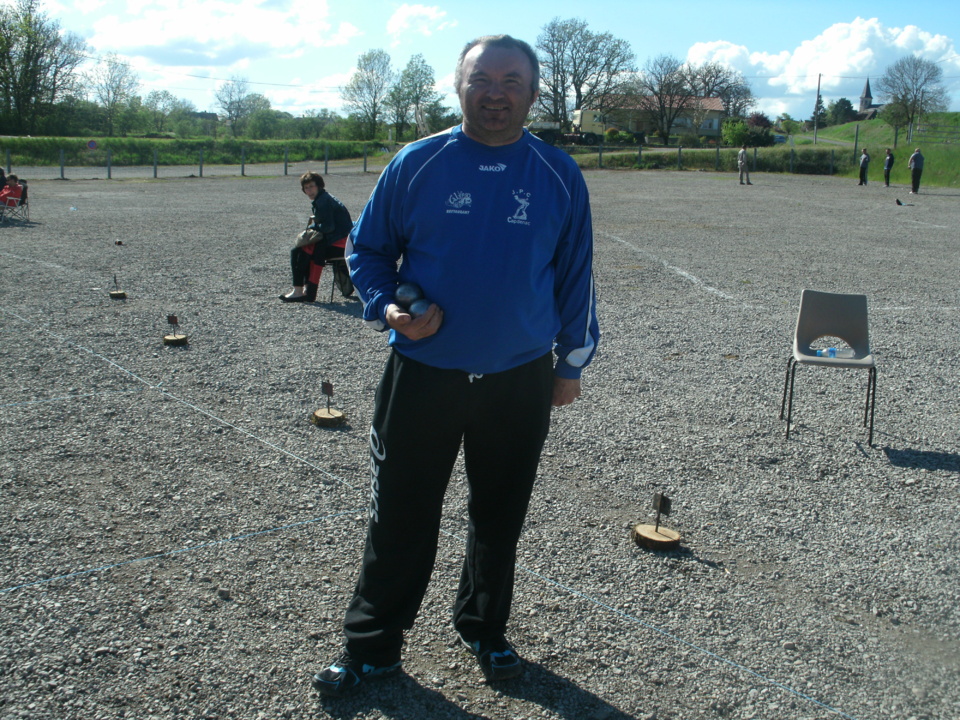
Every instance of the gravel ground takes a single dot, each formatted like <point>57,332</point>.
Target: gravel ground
<point>179,542</point>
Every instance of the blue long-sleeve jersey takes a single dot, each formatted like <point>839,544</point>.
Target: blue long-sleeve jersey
<point>499,237</point>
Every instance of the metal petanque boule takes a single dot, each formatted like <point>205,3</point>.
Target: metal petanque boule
<point>419,307</point>
<point>406,294</point>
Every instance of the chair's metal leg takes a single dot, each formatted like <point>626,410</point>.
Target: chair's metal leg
<point>786,377</point>
<point>871,404</point>
<point>793,373</point>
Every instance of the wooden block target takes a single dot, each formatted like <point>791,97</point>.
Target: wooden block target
<point>174,339</point>
<point>325,417</point>
<point>654,538</point>
<point>118,295</point>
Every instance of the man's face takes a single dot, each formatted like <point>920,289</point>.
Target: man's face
<point>495,94</point>
<point>310,189</point>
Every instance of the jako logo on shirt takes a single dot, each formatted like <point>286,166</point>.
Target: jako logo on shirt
<point>459,203</point>
<point>499,167</point>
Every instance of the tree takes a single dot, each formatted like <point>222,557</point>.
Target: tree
<point>819,116</point>
<point>366,93</point>
<point>419,86</point>
<point>164,108</point>
<point>113,83</point>
<point>265,123</point>
<point>713,80</point>
<point>38,66</point>
<point>230,97</point>
<point>734,132</point>
<point>840,111</point>
<point>663,91</point>
<point>759,120</point>
<point>915,85</point>
<point>789,125</point>
<point>737,99</point>
<point>314,123</point>
<point>894,115</point>
<point>581,69</point>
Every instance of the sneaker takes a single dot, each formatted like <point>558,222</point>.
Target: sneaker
<point>498,660</point>
<point>346,673</point>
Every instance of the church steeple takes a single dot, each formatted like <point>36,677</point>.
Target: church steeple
<point>866,98</point>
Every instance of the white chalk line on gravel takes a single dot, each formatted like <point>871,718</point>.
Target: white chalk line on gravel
<point>673,268</point>
<point>569,590</point>
<point>726,296</point>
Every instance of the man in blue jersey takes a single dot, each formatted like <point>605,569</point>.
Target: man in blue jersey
<point>494,226</point>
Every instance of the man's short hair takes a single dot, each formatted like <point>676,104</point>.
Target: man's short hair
<point>12,178</point>
<point>501,41</point>
<point>311,177</point>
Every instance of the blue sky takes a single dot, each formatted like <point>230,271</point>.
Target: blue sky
<point>299,52</point>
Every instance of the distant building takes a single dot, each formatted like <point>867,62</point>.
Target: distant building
<point>638,115</point>
<point>868,111</point>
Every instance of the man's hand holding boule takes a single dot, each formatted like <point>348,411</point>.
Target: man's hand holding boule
<point>414,328</point>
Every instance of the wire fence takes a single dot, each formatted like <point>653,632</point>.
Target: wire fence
<point>60,168</point>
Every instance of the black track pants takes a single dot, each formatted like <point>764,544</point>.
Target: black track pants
<point>421,416</point>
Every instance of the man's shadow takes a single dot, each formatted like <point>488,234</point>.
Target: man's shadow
<point>923,459</point>
<point>560,695</point>
<point>405,697</point>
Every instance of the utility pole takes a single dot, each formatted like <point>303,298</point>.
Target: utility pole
<point>816,109</point>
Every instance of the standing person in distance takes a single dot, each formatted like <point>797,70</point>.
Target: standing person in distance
<point>742,164</point>
<point>494,226</point>
<point>887,167</point>
<point>915,163</point>
<point>864,164</point>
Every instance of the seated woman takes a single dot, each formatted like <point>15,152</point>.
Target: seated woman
<point>11,191</point>
<point>330,224</point>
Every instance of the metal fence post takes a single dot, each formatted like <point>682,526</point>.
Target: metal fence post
<point>326,158</point>
<point>639,155</point>
<point>61,163</point>
<point>154,163</point>
<point>679,157</point>
<point>8,159</point>
<point>831,161</point>
<point>754,168</point>
<point>286,160</point>
<point>201,162</point>
<point>792,153</point>
<point>718,159</point>
<point>364,158</point>
<point>109,164</point>
<point>600,156</point>
<point>243,161</point>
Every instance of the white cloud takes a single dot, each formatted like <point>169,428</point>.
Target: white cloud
<point>842,57</point>
<point>218,30</point>
<point>416,19</point>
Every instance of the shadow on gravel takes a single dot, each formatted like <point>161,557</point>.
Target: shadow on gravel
<point>560,695</point>
<point>400,697</point>
<point>350,306</point>
<point>923,459</point>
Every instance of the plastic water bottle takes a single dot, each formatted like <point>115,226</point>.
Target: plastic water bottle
<point>828,352</point>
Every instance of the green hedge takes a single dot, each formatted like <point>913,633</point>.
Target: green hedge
<point>140,151</point>
<point>806,161</point>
